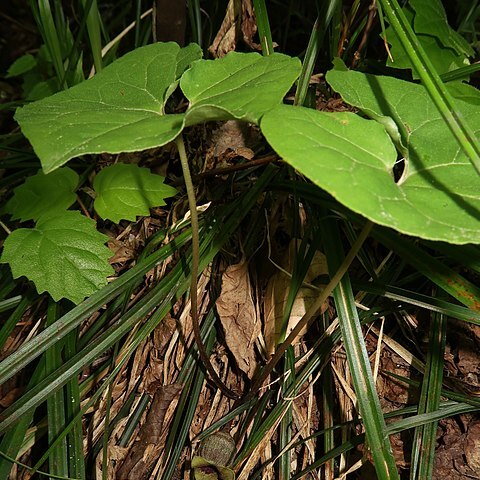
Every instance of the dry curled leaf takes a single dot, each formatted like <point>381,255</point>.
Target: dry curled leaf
<point>239,24</point>
<point>277,293</point>
<point>237,313</point>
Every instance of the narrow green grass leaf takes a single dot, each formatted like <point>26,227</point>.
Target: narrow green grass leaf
<point>58,459</point>
<point>125,191</point>
<point>194,377</point>
<point>423,450</point>
<point>43,195</point>
<point>64,255</point>
<point>93,28</point>
<point>10,323</point>
<point>358,361</point>
<point>13,438</point>
<point>464,291</point>
<point>263,24</point>
<point>76,457</point>
<point>51,33</point>
<point>315,44</point>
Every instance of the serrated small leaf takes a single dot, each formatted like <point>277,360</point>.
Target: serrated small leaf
<point>43,194</point>
<point>125,191</point>
<point>119,110</point>
<point>239,85</point>
<point>64,255</point>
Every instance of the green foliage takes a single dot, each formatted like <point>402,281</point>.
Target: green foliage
<point>59,260</point>
<point>36,73</point>
<point>125,191</point>
<point>123,109</point>
<point>64,255</point>
<point>446,49</point>
<point>21,65</point>
<point>437,195</point>
<point>43,194</point>
<point>119,110</point>
<point>239,85</point>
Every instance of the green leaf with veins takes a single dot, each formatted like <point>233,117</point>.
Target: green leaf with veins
<point>239,85</point>
<point>122,108</point>
<point>119,110</point>
<point>441,52</point>
<point>437,197</point>
<point>431,19</point>
<point>43,194</point>
<point>64,255</point>
<point>125,191</point>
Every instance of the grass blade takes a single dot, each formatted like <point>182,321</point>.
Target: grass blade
<point>358,361</point>
<point>263,25</point>
<point>58,460</point>
<point>315,43</point>
<point>423,451</point>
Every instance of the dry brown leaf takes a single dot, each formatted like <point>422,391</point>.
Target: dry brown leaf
<point>277,293</point>
<point>146,449</point>
<point>239,23</point>
<point>237,313</point>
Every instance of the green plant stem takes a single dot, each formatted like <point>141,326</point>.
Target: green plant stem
<point>433,84</point>
<point>194,272</point>
<point>263,25</point>
<point>311,312</point>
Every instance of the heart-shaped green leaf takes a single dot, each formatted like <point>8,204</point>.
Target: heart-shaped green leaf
<point>119,110</point>
<point>240,85</point>
<point>437,196</point>
<point>43,195</point>
<point>63,254</point>
<point>125,191</point>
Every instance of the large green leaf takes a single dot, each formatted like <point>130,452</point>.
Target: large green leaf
<point>353,158</point>
<point>119,110</point>
<point>431,19</point>
<point>125,191</point>
<point>63,254</point>
<point>43,195</point>
<point>446,49</point>
<point>239,85</point>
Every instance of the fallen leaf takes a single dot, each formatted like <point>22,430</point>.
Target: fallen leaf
<point>146,449</point>
<point>277,294</point>
<point>237,313</point>
<point>239,23</point>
